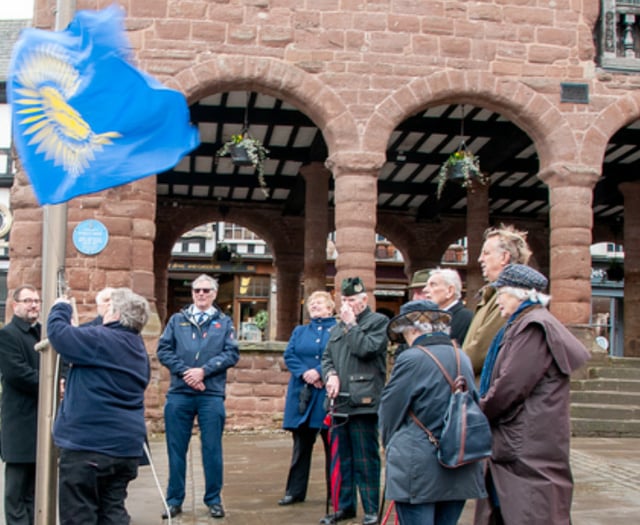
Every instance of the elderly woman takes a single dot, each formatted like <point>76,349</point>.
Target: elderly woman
<point>425,493</point>
<point>304,411</point>
<point>525,395</point>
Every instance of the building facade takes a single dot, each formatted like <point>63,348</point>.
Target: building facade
<point>564,75</point>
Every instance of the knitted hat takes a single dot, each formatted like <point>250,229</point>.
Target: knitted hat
<point>416,311</point>
<point>352,286</point>
<point>521,276</point>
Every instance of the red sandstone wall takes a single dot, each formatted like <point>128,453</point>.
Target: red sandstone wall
<point>256,389</point>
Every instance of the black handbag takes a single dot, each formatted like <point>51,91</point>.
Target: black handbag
<point>466,435</point>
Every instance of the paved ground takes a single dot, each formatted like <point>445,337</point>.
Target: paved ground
<point>607,474</point>
<point>606,471</point>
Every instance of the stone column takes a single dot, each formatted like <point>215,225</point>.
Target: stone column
<point>571,223</point>
<point>477,223</point>
<point>288,273</point>
<point>631,320</point>
<point>356,200</point>
<point>316,227</point>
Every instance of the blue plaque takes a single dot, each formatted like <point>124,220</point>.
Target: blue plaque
<point>90,237</point>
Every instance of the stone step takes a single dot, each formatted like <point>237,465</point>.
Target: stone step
<point>605,397</point>
<point>614,372</point>
<point>606,384</point>
<point>605,427</point>
<point>599,411</point>
<point>624,362</point>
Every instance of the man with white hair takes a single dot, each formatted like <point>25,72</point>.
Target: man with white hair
<point>444,287</point>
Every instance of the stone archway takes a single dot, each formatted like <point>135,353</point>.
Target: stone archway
<point>555,141</point>
<point>614,117</point>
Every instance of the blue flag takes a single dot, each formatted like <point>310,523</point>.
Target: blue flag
<point>84,118</point>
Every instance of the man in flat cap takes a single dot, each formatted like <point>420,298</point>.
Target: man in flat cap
<point>354,369</point>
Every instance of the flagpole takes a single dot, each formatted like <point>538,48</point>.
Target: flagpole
<point>54,242</point>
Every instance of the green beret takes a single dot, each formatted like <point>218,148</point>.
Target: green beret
<point>352,286</point>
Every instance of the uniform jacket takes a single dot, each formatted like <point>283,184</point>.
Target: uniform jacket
<point>484,326</point>
<point>304,351</point>
<point>358,355</point>
<point>413,474</point>
<point>212,346</point>
<point>103,406</point>
<point>528,407</point>
<point>460,321</point>
<point>20,369</point>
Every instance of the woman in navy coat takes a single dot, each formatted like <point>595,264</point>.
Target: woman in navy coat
<point>304,411</point>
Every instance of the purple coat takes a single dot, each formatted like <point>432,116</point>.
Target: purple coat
<point>528,407</point>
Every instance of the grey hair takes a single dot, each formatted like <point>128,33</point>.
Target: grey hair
<point>450,278</point>
<point>133,308</point>
<point>204,277</point>
<point>523,294</point>
<point>425,328</point>
<point>104,295</point>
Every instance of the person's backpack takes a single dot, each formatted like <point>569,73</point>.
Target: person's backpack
<point>466,435</point>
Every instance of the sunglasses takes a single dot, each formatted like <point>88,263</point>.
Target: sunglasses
<point>202,290</point>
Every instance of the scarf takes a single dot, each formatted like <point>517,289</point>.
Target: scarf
<point>494,348</point>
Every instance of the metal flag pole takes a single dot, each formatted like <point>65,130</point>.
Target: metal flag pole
<point>54,242</point>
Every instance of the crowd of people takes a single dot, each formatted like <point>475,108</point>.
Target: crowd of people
<point>517,359</point>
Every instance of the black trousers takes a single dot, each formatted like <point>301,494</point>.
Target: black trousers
<point>304,439</point>
<point>93,488</point>
<point>19,493</point>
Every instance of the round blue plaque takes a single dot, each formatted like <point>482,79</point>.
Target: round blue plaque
<point>90,237</point>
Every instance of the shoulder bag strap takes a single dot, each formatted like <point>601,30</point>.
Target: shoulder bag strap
<point>432,438</point>
<point>442,369</point>
<point>446,375</point>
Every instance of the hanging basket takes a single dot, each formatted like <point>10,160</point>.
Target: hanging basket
<point>462,167</point>
<point>456,173</point>
<point>240,155</point>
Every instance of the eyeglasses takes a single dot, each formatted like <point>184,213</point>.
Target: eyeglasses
<point>29,301</point>
<point>202,290</point>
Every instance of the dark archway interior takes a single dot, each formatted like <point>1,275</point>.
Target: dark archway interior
<point>416,150</point>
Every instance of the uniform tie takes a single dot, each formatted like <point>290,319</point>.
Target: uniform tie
<point>201,318</point>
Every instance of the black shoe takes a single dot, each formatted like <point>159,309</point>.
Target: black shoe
<point>174,510</point>
<point>290,500</point>
<point>216,511</point>
<point>370,519</point>
<point>340,515</point>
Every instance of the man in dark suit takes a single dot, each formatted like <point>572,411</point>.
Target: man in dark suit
<point>20,366</point>
<point>444,287</point>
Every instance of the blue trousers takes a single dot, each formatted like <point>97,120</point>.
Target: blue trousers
<point>180,412</point>
<point>441,513</point>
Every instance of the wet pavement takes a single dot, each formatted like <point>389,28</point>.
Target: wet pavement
<point>606,472</point>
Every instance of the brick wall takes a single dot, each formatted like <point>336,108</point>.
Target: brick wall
<point>256,389</point>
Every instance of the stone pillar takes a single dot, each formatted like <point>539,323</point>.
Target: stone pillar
<point>631,320</point>
<point>477,223</point>
<point>288,274</point>
<point>316,227</point>
<point>356,199</point>
<point>571,222</point>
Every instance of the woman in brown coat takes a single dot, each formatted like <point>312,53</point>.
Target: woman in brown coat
<point>525,394</point>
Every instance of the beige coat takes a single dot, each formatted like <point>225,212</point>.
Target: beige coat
<point>484,326</point>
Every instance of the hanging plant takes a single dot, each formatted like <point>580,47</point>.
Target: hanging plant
<point>462,167</point>
<point>244,150</point>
